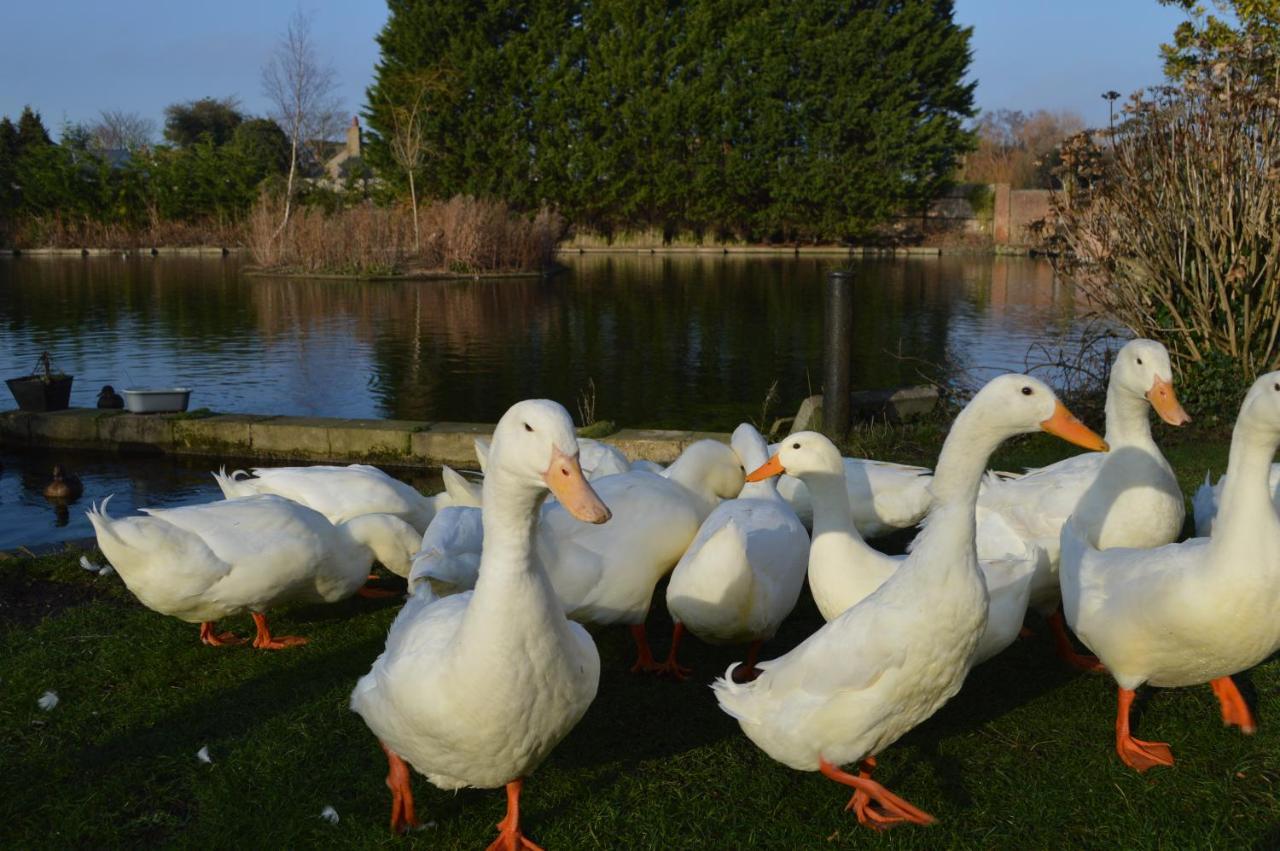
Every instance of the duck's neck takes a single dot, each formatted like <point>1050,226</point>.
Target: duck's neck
<point>830,497</point>
<point>1245,511</point>
<point>691,474</point>
<point>961,465</point>
<point>510,517</point>
<point>1128,418</point>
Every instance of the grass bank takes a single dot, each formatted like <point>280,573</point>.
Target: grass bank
<point>1021,758</point>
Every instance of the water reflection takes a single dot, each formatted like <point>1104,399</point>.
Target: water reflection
<point>691,341</point>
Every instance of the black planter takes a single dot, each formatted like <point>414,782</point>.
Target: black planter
<point>36,393</point>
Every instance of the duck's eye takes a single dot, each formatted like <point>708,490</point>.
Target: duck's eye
<point>795,446</point>
<point>1139,361</point>
<point>1026,391</point>
<point>528,427</point>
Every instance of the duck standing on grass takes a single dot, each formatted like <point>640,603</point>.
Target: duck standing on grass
<point>743,572</point>
<point>1188,613</point>
<point>202,563</point>
<point>476,689</point>
<point>1143,507</point>
<point>883,666</point>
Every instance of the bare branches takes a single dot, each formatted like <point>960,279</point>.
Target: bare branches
<point>119,130</point>
<point>1175,230</point>
<point>301,88</point>
<point>407,140</point>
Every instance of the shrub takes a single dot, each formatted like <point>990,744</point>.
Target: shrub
<point>1174,228</point>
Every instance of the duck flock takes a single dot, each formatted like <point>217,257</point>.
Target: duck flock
<point>487,666</point>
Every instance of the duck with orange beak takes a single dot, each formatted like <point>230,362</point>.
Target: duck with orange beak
<point>889,662</point>
<point>476,689</point>
<point>1139,505</point>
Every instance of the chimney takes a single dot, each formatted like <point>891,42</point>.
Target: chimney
<point>353,137</point>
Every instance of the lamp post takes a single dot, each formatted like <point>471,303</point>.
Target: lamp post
<point>1110,97</point>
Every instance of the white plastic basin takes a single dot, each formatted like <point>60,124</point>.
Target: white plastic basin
<point>157,400</point>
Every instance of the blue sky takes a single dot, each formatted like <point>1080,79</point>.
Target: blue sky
<point>70,58</point>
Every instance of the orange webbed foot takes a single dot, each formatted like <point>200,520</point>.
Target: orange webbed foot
<point>874,805</point>
<point>402,816</point>
<point>513,840</point>
<point>1141,756</point>
<point>218,639</point>
<point>645,663</point>
<point>1066,650</point>
<point>673,669</point>
<point>264,640</point>
<point>1135,753</point>
<point>1235,709</point>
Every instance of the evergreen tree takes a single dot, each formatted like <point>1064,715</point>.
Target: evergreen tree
<point>216,119</point>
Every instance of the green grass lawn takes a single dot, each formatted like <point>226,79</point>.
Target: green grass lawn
<point>1021,758</point>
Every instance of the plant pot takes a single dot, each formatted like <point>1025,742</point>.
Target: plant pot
<point>169,400</point>
<point>36,393</point>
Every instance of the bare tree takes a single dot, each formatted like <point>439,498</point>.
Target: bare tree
<point>118,130</point>
<point>408,138</point>
<point>301,90</point>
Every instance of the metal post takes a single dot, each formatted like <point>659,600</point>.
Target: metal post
<point>837,355</point>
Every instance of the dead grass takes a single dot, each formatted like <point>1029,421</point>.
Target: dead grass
<point>462,235</point>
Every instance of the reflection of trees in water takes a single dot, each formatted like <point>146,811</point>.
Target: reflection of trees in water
<point>667,339</point>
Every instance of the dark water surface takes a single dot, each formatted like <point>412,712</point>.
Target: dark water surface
<point>677,341</point>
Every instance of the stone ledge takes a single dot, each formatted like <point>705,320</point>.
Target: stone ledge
<point>281,438</point>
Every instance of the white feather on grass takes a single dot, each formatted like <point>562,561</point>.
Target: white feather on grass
<point>329,814</point>
<point>203,755</point>
<point>48,700</point>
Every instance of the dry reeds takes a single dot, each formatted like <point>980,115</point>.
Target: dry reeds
<point>462,235</point>
<point>55,231</point>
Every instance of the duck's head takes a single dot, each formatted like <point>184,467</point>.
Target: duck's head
<point>1142,369</point>
<point>709,467</point>
<point>535,443</point>
<point>1261,406</point>
<point>805,453</point>
<point>1019,404</point>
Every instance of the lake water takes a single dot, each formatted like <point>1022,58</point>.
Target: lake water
<point>680,341</point>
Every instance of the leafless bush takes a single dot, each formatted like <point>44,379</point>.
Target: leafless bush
<point>461,235</point>
<point>1175,231</point>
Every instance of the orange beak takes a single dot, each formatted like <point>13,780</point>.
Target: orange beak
<point>769,469</point>
<point>1064,424</point>
<point>564,478</point>
<point>1165,401</point>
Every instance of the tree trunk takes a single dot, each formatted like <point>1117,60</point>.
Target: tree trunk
<point>288,188</point>
<point>413,199</point>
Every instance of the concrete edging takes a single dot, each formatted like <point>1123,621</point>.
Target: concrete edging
<point>284,438</point>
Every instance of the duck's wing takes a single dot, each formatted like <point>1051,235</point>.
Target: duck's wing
<point>600,459</point>
<point>451,549</point>
<point>341,493</point>
<point>1204,506</point>
<point>252,529</point>
<point>1122,583</point>
<point>1038,503</point>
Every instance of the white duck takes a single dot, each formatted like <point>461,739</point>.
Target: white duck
<point>448,560</point>
<point>844,569</point>
<point>743,572</point>
<point>883,496</point>
<point>201,563</point>
<point>477,689</point>
<point>1143,507</point>
<point>339,493</point>
<point>604,575</point>
<point>879,669</point>
<point>598,459</point>
<point>1204,505</point>
<point>1194,612</point>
